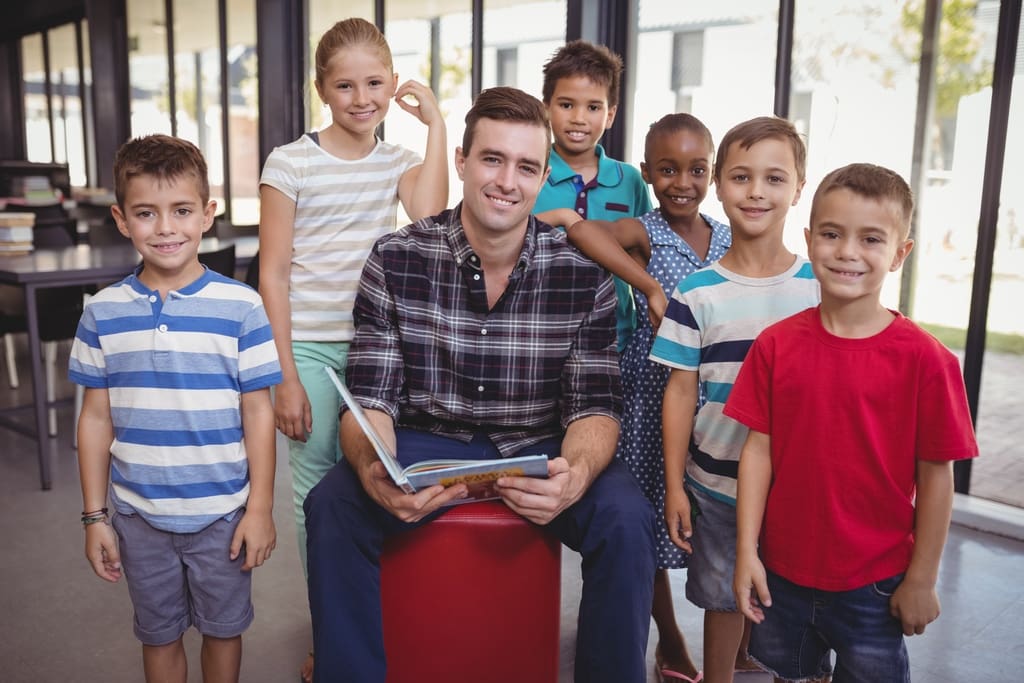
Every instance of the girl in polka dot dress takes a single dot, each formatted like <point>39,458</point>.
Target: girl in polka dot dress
<point>653,253</point>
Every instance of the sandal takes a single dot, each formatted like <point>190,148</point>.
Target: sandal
<point>664,673</point>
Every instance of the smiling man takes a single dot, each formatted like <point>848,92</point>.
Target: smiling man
<point>480,333</point>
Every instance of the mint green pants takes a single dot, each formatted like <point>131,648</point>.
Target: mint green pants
<point>311,460</point>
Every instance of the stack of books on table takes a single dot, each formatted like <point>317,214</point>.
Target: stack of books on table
<point>16,233</point>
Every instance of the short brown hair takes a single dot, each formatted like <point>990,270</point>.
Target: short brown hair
<point>674,123</point>
<point>506,104</point>
<point>749,133</point>
<point>163,157</point>
<point>348,33</point>
<point>583,58</point>
<point>871,182</point>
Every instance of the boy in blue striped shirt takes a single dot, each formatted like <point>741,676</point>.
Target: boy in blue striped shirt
<point>710,323</point>
<point>177,362</point>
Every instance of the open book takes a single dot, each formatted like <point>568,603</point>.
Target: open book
<point>478,475</point>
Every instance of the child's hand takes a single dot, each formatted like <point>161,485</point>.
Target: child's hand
<point>102,552</point>
<point>916,605</point>
<point>426,108</point>
<point>677,517</point>
<point>750,586</point>
<point>293,415</point>
<point>656,306</point>
<point>256,532</point>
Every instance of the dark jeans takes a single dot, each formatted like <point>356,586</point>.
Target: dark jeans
<point>804,626</point>
<point>611,526</point>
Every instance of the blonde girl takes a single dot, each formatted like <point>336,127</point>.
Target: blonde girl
<point>324,199</point>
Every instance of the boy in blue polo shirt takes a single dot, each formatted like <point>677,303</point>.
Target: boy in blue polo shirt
<point>177,362</point>
<point>581,93</point>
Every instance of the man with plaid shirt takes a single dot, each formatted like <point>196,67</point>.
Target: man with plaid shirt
<point>480,333</point>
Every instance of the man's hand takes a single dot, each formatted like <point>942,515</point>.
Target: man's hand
<point>750,587</point>
<point>408,507</point>
<point>102,552</point>
<point>541,500</point>
<point>256,532</point>
<point>916,605</point>
<point>677,517</point>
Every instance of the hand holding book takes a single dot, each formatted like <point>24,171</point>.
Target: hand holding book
<point>478,475</point>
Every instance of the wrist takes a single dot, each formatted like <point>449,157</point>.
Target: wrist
<point>94,516</point>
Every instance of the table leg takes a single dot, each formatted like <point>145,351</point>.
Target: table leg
<point>38,386</point>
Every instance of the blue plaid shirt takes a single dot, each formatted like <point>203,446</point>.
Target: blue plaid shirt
<point>429,352</point>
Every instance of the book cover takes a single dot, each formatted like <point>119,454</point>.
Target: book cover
<point>478,475</point>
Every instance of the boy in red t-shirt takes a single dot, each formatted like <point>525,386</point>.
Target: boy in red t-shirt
<point>853,410</point>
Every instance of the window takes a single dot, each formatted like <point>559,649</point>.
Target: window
<point>715,61</point>
<point>37,113</point>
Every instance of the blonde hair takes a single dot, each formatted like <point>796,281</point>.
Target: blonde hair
<point>348,33</point>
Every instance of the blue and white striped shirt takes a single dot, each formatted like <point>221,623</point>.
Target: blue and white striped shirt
<point>710,323</point>
<point>175,370</point>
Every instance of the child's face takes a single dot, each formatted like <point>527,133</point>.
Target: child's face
<point>358,87</point>
<point>165,220</point>
<point>757,187</point>
<point>678,167</point>
<point>854,242</point>
<point>579,115</point>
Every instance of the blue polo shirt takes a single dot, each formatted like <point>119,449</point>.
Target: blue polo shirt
<point>617,191</point>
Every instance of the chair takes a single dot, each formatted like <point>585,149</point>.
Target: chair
<point>6,328</point>
<point>59,311</point>
<point>472,596</point>
<point>221,261</point>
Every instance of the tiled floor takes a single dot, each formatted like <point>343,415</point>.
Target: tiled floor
<point>58,622</point>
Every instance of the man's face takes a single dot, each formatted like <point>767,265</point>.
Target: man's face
<point>502,174</point>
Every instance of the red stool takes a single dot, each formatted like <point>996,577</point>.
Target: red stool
<point>472,596</point>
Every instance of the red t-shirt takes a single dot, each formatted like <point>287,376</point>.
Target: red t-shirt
<point>848,419</point>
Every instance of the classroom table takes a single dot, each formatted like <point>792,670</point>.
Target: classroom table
<point>79,265</point>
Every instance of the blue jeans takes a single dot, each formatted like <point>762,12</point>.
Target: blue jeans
<point>612,526</point>
<point>803,626</point>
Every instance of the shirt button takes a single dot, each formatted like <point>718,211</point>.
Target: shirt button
<point>480,388</point>
<point>484,331</point>
<point>582,195</point>
<point>162,328</point>
<point>579,211</point>
<point>152,298</point>
<point>476,276</point>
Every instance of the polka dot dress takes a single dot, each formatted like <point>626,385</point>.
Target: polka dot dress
<point>643,381</point>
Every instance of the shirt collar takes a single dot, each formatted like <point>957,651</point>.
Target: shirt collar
<point>187,290</point>
<point>607,174</point>
<point>464,254</point>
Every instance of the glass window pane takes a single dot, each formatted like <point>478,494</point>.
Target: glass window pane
<point>322,15</point>
<point>243,112</point>
<point>410,33</point>
<point>37,118</point>
<point>67,102</point>
<point>854,80</point>
<point>687,62</point>
<point>147,67</point>
<point>519,37</point>
<point>197,86</point>
<point>1001,403</point>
